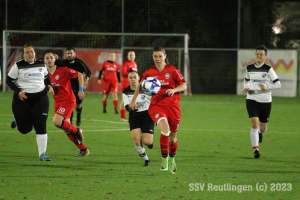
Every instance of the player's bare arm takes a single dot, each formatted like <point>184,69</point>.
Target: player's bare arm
<point>179,88</point>
<point>132,104</point>
<point>81,82</point>
<point>245,90</point>
<point>262,86</point>
<point>22,95</point>
<point>50,89</point>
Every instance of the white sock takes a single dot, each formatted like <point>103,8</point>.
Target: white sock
<point>254,138</point>
<point>142,152</point>
<point>41,140</point>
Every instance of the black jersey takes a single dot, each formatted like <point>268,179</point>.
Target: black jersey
<point>77,65</point>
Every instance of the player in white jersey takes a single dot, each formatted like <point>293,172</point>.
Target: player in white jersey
<point>139,119</point>
<point>260,79</point>
<point>30,81</point>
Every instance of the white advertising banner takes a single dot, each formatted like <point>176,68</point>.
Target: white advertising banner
<point>284,63</point>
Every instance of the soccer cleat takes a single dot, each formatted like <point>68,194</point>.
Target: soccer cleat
<point>79,136</point>
<point>104,110</point>
<point>43,157</point>
<point>172,167</point>
<point>256,154</point>
<point>147,163</point>
<point>13,124</point>
<point>150,146</point>
<point>260,135</point>
<point>83,152</point>
<point>124,120</point>
<point>116,111</point>
<point>164,164</point>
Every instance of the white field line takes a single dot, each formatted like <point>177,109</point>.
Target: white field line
<point>124,123</point>
<point>85,130</point>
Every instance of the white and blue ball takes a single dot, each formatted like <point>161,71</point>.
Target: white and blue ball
<point>151,86</point>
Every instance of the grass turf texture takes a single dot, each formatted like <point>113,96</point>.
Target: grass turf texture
<point>213,147</point>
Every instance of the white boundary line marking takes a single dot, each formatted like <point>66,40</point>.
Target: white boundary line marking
<point>60,130</point>
<point>124,123</point>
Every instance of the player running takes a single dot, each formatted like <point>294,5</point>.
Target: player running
<point>260,79</point>
<point>65,101</point>
<point>111,78</point>
<point>164,107</point>
<point>139,119</point>
<point>78,65</point>
<point>126,67</point>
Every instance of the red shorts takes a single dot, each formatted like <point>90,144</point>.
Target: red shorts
<point>64,109</point>
<point>109,86</point>
<point>124,84</point>
<point>171,113</point>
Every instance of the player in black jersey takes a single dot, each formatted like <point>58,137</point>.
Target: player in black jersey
<point>30,81</point>
<point>140,123</point>
<point>77,65</point>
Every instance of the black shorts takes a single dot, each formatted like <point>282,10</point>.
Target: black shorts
<point>78,101</point>
<point>143,121</point>
<point>32,112</point>
<point>260,110</point>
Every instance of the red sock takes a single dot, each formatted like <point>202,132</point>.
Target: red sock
<point>104,104</point>
<point>164,144</point>
<point>255,147</point>
<point>116,103</point>
<point>123,113</point>
<point>69,127</point>
<point>74,140</point>
<point>173,148</point>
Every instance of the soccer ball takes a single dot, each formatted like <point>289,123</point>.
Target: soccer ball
<point>151,86</point>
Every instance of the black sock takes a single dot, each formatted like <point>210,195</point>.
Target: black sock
<point>164,155</point>
<point>79,110</point>
<point>150,146</point>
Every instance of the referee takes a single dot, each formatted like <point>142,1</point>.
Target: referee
<point>30,103</point>
<point>139,120</point>
<point>77,65</point>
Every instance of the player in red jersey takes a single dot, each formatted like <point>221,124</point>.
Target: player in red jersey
<point>65,101</point>
<point>111,78</point>
<point>127,65</point>
<point>164,106</point>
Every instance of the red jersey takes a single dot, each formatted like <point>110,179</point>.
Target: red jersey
<point>110,70</point>
<point>169,78</point>
<point>127,65</point>
<point>60,80</point>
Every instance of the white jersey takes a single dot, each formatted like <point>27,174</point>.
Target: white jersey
<point>29,76</point>
<point>264,74</point>
<point>142,98</point>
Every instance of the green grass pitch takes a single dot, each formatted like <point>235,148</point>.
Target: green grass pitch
<point>213,148</point>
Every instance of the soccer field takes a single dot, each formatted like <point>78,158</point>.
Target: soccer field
<point>214,149</point>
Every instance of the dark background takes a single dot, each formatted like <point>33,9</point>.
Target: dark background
<point>210,24</point>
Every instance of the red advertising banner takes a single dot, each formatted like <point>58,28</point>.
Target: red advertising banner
<point>94,59</point>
